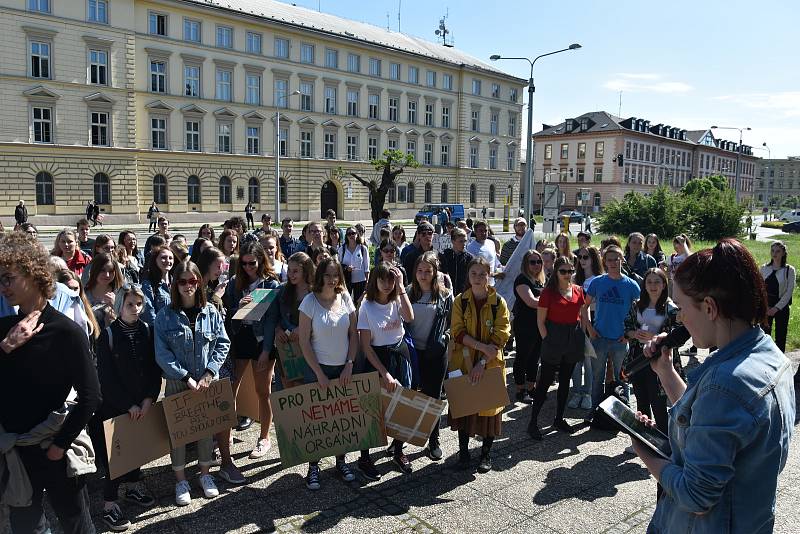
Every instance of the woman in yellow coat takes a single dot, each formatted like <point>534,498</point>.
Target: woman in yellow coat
<point>480,329</point>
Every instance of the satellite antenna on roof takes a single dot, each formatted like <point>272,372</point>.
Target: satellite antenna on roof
<point>443,32</point>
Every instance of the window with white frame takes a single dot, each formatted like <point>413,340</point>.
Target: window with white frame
<point>283,141</point>
<point>224,82</point>
<point>97,11</point>
<point>102,188</point>
<point>306,96</point>
<point>158,76</point>
<point>428,196</point>
<point>475,120</point>
<point>374,67</point>
<point>492,158</point>
<point>374,101</point>
<point>307,53</point>
<point>473,156</point>
<point>352,147</point>
<point>410,194</point>
<point>253,42</point>
<point>191,80</point>
<point>331,58</point>
<point>330,99</point>
<point>253,94</point>
<point>42,118</point>
<point>511,154</point>
<point>352,102</point>
<point>582,174</point>
<point>282,47</point>
<point>306,144</point>
<point>495,90</point>
<point>281,93</point>
<point>192,30</point>
<point>445,116</point>
<point>512,94</point>
<point>476,87</point>
<point>99,125</point>
<point>253,140</point>
<point>427,154</point>
<point>98,67</point>
<point>564,150</point>
<point>412,112</point>
<point>443,193</point>
<point>428,114</point>
<point>224,37</point>
<point>391,143</point>
<point>353,63</point>
<point>158,133</point>
<point>411,147</point>
<point>160,189</point>
<point>444,155</point>
<point>598,174</point>
<point>44,189</point>
<point>402,193</point>
<point>157,23</point>
<point>512,124</point>
<point>224,130</point>
<point>372,148</point>
<point>392,195</point>
<point>192,133</point>
<point>43,6</point>
<point>224,190</point>
<point>599,149</point>
<point>413,75</point>
<point>548,151</point>
<point>394,103</point>
<point>494,118</point>
<point>447,81</point>
<point>581,150</point>
<point>394,71</point>
<point>430,78</point>
<point>329,145</point>
<point>193,190</point>
<point>40,59</point>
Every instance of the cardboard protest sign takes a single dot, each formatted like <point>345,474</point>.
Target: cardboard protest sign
<point>131,444</point>
<point>192,415</point>
<point>312,422</point>
<point>293,365</point>
<point>410,415</point>
<point>467,399</point>
<point>247,397</point>
<point>256,308</point>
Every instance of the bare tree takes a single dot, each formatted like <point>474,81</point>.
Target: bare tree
<point>393,163</point>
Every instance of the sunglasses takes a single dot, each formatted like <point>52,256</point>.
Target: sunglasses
<point>535,262</point>
<point>389,250</point>
<point>583,256</point>
<point>426,232</point>
<point>183,282</point>
<point>250,263</point>
<point>350,233</point>
<point>566,271</point>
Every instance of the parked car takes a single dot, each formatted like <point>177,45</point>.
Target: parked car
<point>574,216</point>
<point>456,210</point>
<point>793,227</point>
<point>790,216</point>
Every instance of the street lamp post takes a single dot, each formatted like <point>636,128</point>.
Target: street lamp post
<point>278,153</point>
<point>737,180</point>
<point>529,159</point>
<point>768,196</point>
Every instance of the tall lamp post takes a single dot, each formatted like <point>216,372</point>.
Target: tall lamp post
<point>768,195</point>
<point>529,159</point>
<point>737,180</point>
<point>284,98</point>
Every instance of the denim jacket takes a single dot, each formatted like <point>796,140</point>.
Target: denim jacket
<point>155,299</point>
<point>182,350</point>
<point>730,434</point>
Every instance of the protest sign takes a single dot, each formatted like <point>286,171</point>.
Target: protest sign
<point>255,309</point>
<point>293,364</point>
<point>313,422</point>
<point>192,415</point>
<point>246,396</point>
<point>464,398</point>
<point>410,415</point>
<point>131,444</point>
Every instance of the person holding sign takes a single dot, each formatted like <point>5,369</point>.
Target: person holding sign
<point>251,342</point>
<point>130,381</point>
<point>480,328</point>
<point>380,327</point>
<point>329,341</point>
<point>191,345</point>
<point>300,273</point>
<point>430,331</point>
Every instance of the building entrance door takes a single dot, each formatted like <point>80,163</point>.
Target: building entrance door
<point>329,199</point>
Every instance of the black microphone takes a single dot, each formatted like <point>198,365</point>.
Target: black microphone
<point>677,337</point>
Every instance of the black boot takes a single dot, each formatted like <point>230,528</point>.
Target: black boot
<point>563,426</point>
<point>533,426</point>
<point>463,451</point>
<point>485,464</point>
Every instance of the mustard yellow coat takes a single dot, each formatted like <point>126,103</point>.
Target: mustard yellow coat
<point>495,330</point>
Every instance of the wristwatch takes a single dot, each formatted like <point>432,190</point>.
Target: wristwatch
<point>352,362</point>
<point>482,361</point>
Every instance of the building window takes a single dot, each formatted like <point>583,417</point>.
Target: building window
<point>495,94</point>
<point>582,174</point>
<point>512,124</point>
<point>581,150</point>
<point>331,58</point>
<point>510,157</point>
<point>306,144</point>
<point>445,155</point>
<point>102,189</point>
<point>599,149</point>
<point>597,200</point>
<point>253,140</point>
<point>411,148</point>
<point>394,102</point>
<point>283,141</point>
<point>447,81</point>
<point>352,102</point>
<point>427,154</point>
<point>329,146</point>
<point>192,30</point>
<point>413,75</point>
<point>224,78</point>
<point>512,94</point>
<point>392,143</point>
<point>193,190</point>
<point>253,95</point>
<point>98,11</point>
<point>283,195</point>
<point>392,197</point>
<point>253,190</point>
<point>410,193</point>
<point>158,133</point>
<point>476,87</point>
<point>224,37</point>
<point>402,193</point>
<point>43,6</point>
<point>224,190</point>
<point>157,24</point>
<point>492,195</point>
<point>374,101</point>
<point>224,137</point>
<point>372,148</point>
<point>191,80</point>
<point>412,112</point>
<point>99,129</point>
<point>598,174</point>
<point>548,151</point>
<point>44,189</point>
<point>40,59</point>
<point>428,114</point>
<point>193,136</point>
<point>443,194</point>
<point>160,189</point>
<point>494,118</point>
<point>352,147</point>
<point>473,156</point>
<point>475,121</point>
<point>42,125</point>
<point>353,63</point>
<point>158,76</point>
<point>493,158</point>
<point>428,193</point>
<point>564,150</point>
<point>394,71</point>
<point>445,116</point>
<point>281,92</point>
<point>307,53</point>
<point>306,96</point>
<point>253,42</point>
<point>330,100</point>
<point>473,194</point>
<point>282,47</point>
<point>374,67</point>
<point>430,78</point>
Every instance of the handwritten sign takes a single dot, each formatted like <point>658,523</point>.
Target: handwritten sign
<point>192,415</point>
<point>464,398</point>
<point>293,364</point>
<point>256,308</point>
<point>312,422</point>
<point>131,444</point>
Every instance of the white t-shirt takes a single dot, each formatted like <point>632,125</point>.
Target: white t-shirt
<point>358,259</point>
<point>382,320</point>
<point>330,329</point>
<point>279,268</point>
<point>674,263</point>
<point>650,320</point>
<point>487,251</point>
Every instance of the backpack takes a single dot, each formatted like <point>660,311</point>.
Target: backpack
<point>111,336</point>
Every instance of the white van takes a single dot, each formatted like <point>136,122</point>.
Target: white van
<point>790,216</point>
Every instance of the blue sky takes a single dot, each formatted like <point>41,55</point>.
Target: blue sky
<point>690,64</point>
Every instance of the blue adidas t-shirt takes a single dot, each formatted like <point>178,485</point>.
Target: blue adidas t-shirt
<point>613,300</point>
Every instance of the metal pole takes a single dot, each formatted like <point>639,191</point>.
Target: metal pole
<point>738,166</point>
<point>278,165</point>
<point>529,156</point>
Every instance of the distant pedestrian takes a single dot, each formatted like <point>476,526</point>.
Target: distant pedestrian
<point>96,215</point>
<point>152,217</point>
<point>483,213</point>
<point>21,213</point>
<point>89,210</point>
<point>248,213</point>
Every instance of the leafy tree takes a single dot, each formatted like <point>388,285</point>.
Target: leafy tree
<point>659,213</point>
<point>393,163</point>
<point>706,185</point>
<point>714,215</point>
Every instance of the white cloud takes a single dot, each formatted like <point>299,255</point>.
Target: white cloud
<point>645,83</point>
<point>784,102</point>
<point>639,76</point>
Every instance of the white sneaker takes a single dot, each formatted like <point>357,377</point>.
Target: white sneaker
<point>209,488</point>
<point>183,495</point>
<point>261,449</point>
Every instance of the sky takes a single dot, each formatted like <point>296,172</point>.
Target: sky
<point>690,64</point>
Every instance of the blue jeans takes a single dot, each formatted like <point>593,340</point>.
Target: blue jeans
<point>607,348</point>
<point>582,377</point>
